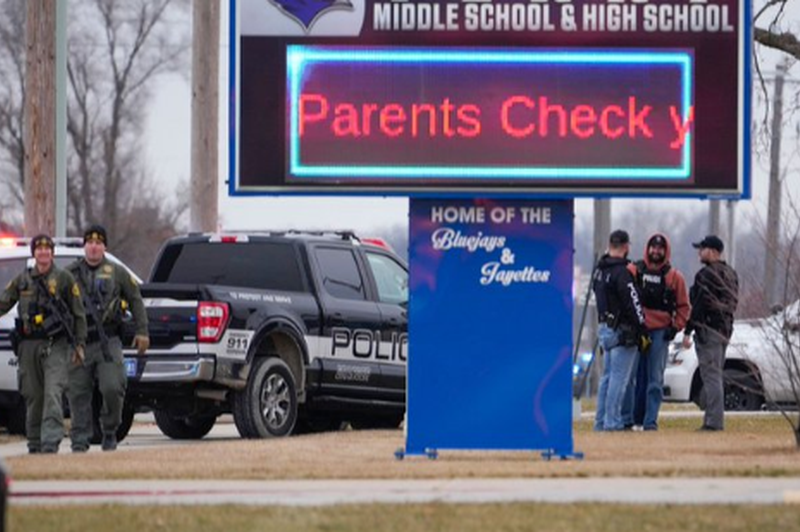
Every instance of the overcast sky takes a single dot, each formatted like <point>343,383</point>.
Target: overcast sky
<point>168,151</point>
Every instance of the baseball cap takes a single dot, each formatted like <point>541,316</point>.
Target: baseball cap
<point>619,237</point>
<point>657,240</point>
<point>711,242</point>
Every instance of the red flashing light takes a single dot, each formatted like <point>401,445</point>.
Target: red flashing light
<point>377,241</point>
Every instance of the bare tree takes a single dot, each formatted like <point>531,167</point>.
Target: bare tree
<point>771,27</point>
<point>116,49</point>
<point>775,374</point>
<point>12,95</point>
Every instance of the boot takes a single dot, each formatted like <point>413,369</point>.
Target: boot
<point>109,442</point>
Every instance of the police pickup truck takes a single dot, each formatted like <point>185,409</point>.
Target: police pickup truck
<point>288,331</point>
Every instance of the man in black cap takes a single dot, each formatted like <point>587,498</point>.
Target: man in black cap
<point>52,326</point>
<point>714,296</point>
<point>108,291</point>
<point>621,329</point>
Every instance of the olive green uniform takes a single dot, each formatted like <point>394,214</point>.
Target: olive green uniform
<point>108,288</point>
<point>44,351</point>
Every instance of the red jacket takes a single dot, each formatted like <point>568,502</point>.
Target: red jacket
<point>660,319</point>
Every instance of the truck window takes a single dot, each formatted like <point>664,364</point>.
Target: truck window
<point>340,275</point>
<point>391,278</point>
<point>261,265</point>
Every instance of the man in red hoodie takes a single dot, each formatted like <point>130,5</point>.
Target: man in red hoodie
<point>666,309</point>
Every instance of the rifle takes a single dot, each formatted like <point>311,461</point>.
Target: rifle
<point>57,308</point>
<point>91,301</point>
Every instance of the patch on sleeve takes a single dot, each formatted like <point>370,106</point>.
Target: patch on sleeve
<point>76,291</point>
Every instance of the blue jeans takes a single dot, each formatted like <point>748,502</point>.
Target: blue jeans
<point>646,388</point>
<point>619,362</point>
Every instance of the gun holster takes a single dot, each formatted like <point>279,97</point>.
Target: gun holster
<point>627,335</point>
<point>15,335</point>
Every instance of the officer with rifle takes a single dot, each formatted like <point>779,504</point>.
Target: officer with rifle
<point>109,291</point>
<point>51,327</point>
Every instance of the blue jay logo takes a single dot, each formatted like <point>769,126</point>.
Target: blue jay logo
<point>306,12</point>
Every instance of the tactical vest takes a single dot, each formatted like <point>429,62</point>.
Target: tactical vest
<point>656,287</point>
<point>35,317</point>
<point>98,288</point>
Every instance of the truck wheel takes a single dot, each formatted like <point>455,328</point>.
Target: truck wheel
<point>267,407</point>
<point>742,391</point>
<point>184,427</point>
<point>97,429</point>
<point>15,420</point>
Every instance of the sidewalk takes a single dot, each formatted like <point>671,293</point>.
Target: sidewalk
<point>329,492</point>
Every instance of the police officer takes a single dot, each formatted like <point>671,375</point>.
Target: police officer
<point>52,326</point>
<point>715,296</point>
<point>621,331</point>
<point>108,291</point>
<point>666,310</point>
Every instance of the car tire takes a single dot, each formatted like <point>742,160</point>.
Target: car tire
<point>267,407</point>
<point>183,427</point>
<point>15,418</point>
<point>742,391</point>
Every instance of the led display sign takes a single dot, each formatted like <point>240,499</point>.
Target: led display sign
<point>453,114</point>
<point>503,97</point>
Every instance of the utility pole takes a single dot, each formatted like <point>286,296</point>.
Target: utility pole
<point>730,244</point>
<point>205,115</point>
<point>713,217</point>
<point>774,205</point>
<point>602,229</point>
<point>40,117</point>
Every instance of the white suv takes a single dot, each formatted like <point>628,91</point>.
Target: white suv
<point>15,255</point>
<point>758,370</point>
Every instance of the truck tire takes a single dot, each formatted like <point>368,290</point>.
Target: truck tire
<point>124,425</point>
<point>15,418</point>
<point>267,406</point>
<point>183,427</point>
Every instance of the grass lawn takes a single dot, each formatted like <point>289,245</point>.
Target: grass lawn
<point>406,518</point>
<point>750,446</point>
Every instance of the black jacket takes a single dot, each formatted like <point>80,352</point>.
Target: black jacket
<point>616,293</point>
<point>715,296</point>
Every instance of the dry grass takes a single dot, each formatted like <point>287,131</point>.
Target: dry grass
<point>403,518</point>
<point>750,446</point>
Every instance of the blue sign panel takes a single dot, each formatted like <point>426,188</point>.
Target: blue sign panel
<point>490,325</point>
